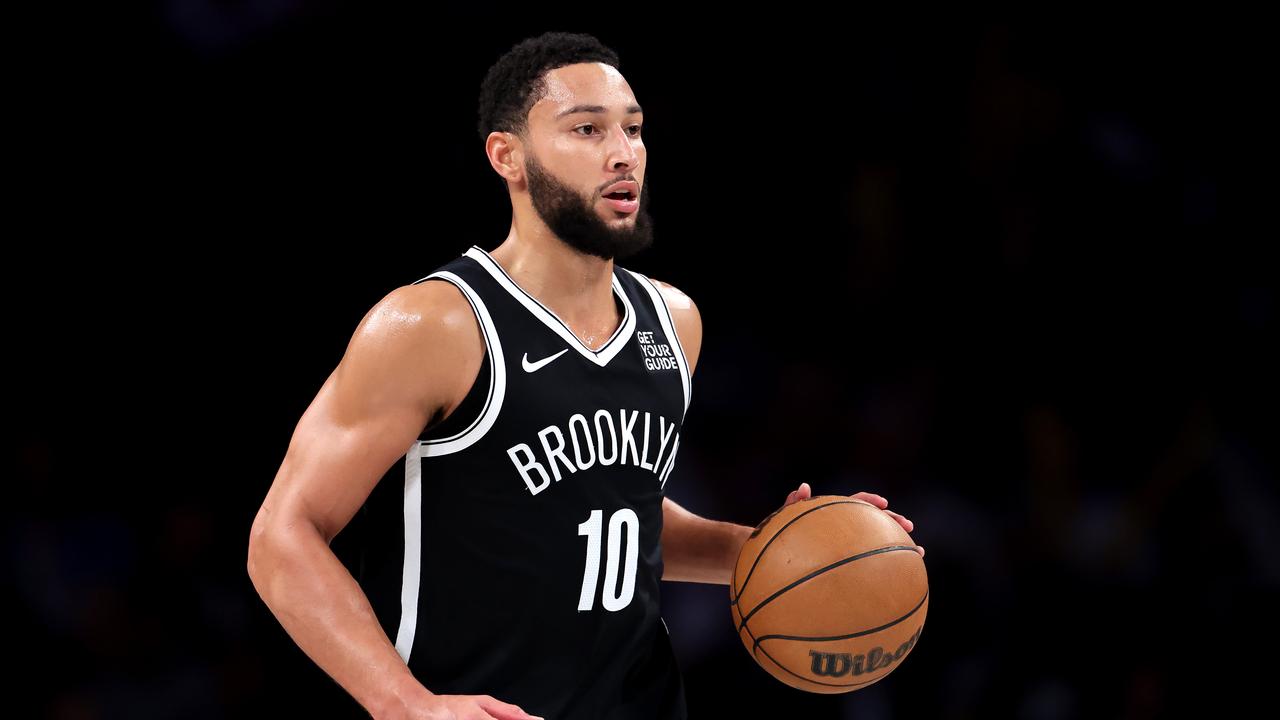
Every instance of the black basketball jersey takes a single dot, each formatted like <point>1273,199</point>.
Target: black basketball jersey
<point>514,550</point>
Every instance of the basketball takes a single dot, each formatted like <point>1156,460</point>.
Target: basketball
<point>829,594</point>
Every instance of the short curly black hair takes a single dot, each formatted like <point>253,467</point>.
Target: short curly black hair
<point>516,81</point>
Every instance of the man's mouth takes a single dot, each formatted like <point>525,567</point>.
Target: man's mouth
<point>622,201</point>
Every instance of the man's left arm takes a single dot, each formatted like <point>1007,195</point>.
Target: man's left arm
<point>694,548</point>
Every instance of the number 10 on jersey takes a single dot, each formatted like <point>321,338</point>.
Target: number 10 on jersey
<point>624,518</point>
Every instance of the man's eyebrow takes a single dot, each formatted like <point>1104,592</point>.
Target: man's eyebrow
<point>631,110</point>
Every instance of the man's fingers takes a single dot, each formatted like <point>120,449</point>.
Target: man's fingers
<point>905,523</point>
<point>516,714</point>
<point>506,711</point>
<point>798,494</point>
<point>874,499</point>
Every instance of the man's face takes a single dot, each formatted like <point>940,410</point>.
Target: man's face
<point>576,154</point>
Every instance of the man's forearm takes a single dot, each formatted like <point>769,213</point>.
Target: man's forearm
<point>326,613</point>
<point>695,549</point>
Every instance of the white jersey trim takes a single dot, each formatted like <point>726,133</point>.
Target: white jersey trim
<point>409,585</point>
<point>668,327</point>
<point>497,377</point>
<point>600,357</point>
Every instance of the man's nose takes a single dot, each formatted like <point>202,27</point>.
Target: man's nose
<point>622,152</point>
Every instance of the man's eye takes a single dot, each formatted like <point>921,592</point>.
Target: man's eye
<point>634,128</point>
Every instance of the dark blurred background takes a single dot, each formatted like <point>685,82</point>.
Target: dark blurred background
<point>1007,273</point>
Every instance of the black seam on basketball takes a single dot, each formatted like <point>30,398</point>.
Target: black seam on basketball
<point>815,638</point>
<point>819,571</point>
<point>756,645</point>
<point>733,583</point>
<point>738,593</point>
<point>819,682</point>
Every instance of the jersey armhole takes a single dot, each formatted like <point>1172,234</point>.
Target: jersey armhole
<point>469,409</point>
<point>479,408</point>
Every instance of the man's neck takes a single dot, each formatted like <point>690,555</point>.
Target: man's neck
<point>577,287</point>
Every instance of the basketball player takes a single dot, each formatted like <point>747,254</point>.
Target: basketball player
<point>498,435</point>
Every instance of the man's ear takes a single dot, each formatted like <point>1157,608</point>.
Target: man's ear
<point>506,155</point>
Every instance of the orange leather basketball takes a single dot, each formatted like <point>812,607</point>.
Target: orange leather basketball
<point>829,594</point>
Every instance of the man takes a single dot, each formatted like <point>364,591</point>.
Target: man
<point>511,556</point>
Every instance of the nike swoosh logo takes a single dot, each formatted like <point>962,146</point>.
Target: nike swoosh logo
<point>534,367</point>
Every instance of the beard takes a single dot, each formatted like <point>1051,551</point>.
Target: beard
<point>574,219</point>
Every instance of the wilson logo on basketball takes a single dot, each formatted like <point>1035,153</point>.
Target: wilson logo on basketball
<point>841,664</point>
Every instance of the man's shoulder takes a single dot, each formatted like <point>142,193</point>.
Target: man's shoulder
<point>428,305</point>
<point>431,320</point>
<point>419,335</point>
<point>676,298</point>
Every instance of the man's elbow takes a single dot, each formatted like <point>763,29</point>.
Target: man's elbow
<point>266,540</point>
<point>276,539</point>
<point>257,541</point>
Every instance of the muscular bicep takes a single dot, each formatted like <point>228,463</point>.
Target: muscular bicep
<point>404,363</point>
<point>335,459</point>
